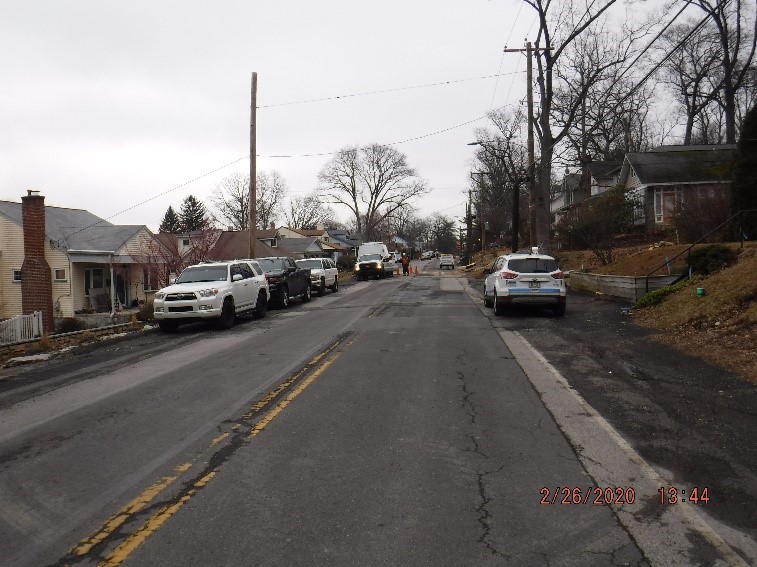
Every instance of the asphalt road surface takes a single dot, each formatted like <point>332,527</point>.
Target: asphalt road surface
<point>396,422</point>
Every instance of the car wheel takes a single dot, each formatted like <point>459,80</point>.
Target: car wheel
<point>499,307</point>
<point>168,326</point>
<point>322,289</point>
<point>308,293</point>
<point>284,301</point>
<point>261,306</point>
<point>335,287</point>
<point>559,309</point>
<point>226,320</point>
<point>487,301</point>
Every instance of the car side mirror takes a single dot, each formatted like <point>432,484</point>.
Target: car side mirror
<point>236,277</point>
<point>291,269</point>
<point>171,281</point>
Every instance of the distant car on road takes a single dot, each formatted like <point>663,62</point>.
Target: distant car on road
<point>323,274</point>
<point>427,255</point>
<point>446,260</point>
<point>213,291</point>
<point>525,279</point>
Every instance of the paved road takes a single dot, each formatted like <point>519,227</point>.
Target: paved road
<point>396,423</point>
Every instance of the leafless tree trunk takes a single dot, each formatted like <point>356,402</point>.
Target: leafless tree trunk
<point>271,190</point>
<point>231,199</point>
<point>560,25</point>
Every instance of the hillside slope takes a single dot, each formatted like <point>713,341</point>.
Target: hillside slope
<point>721,326</point>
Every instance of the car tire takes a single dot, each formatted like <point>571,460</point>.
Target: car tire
<point>228,316</point>
<point>559,310</point>
<point>487,302</point>
<point>168,326</point>
<point>499,307</point>
<point>284,300</point>
<point>335,287</point>
<point>322,289</point>
<point>308,294</point>
<point>261,306</point>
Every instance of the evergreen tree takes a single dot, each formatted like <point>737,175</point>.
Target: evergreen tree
<point>744,188</point>
<point>193,214</point>
<point>171,222</point>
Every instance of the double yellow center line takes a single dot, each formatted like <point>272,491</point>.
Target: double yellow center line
<point>244,429</point>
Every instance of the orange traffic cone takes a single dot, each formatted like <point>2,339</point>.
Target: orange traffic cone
<point>416,269</point>
<point>397,271</point>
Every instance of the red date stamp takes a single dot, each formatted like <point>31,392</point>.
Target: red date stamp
<point>590,495</point>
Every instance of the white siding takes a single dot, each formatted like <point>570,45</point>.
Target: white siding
<point>11,258</point>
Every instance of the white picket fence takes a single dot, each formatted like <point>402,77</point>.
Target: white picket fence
<point>21,328</point>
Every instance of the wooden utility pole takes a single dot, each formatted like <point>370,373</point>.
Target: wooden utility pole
<point>253,164</point>
<point>469,228</point>
<point>532,188</point>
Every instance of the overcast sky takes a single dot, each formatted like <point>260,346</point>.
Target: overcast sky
<point>115,107</point>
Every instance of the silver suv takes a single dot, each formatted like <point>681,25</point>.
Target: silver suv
<point>216,291</point>
<point>525,278</point>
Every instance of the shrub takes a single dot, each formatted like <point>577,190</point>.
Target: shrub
<point>656,296</point>
<point>711,258</point>
<point>345,263</point>
<point>70,325</point>
<point>145,312</point>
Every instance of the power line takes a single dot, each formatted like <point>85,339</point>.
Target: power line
<point>384,91</point>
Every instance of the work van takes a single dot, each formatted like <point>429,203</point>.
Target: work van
<point>374,252</point>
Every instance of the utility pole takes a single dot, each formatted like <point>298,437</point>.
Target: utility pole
<point>469,233</point>
<point>481,205</point>
<point>532,189</point>
<point>253,163</point>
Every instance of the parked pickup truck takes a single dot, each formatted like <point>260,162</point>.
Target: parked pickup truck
<point>323,273</point>
<point>285,279</point>
<point>213,291</point>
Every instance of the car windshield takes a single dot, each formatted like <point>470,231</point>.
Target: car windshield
<point>312,264</point>
<point>271,264</point>
<point>369,257</point>
<point>203,274</point>
<point>532,265</point>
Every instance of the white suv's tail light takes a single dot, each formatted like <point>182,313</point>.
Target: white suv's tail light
<point>508,275</point>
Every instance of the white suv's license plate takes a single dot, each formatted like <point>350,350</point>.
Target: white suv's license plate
<point>534,285</point>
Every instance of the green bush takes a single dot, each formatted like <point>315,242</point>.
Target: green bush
<point>656,296</point>
<point>145,312</point>
<point>711,258</point>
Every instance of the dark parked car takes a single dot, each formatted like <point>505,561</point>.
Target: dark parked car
<point>285,279</point>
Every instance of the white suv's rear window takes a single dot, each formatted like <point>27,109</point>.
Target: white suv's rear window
<point>532,265</point>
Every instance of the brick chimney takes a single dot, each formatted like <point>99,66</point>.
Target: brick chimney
<point>36,278</point>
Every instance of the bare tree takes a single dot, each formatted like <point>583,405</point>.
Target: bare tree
<point>271,190</point>
<point>502,158</point>
<point>561,24</point>
<point>231,198</point>
<point>307,212</point>
<point>689,70</point>
<point>735,23</point>
<point>372,182</point>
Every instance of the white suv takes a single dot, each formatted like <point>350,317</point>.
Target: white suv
<point>217,291</point>
<point>323,274</point>
<point>446,260</point>
<point>525,279</point>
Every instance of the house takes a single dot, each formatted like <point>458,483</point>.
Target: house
<point>343,243</point>
<point>660,180</point>
<point>234,245</point>
<point>300,248</point>
<point>604,175</point>
<point>68,261</point>
<point>566,194</point>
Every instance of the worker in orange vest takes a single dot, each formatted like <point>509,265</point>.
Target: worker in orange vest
<point>405,260</point>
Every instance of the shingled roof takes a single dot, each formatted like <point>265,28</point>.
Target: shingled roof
<point>76,229</point>
<point>682,164</point>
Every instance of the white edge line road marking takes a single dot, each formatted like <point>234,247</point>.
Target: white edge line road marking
<point>611,462</point>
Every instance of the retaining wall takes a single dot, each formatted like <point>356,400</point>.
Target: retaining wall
<point>625,287</point>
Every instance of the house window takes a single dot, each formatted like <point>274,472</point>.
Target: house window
<point>60,275</point>
<point>16,276</point>
<point>665,203</point>
<point>93,279</point>
<point>185,242</point>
